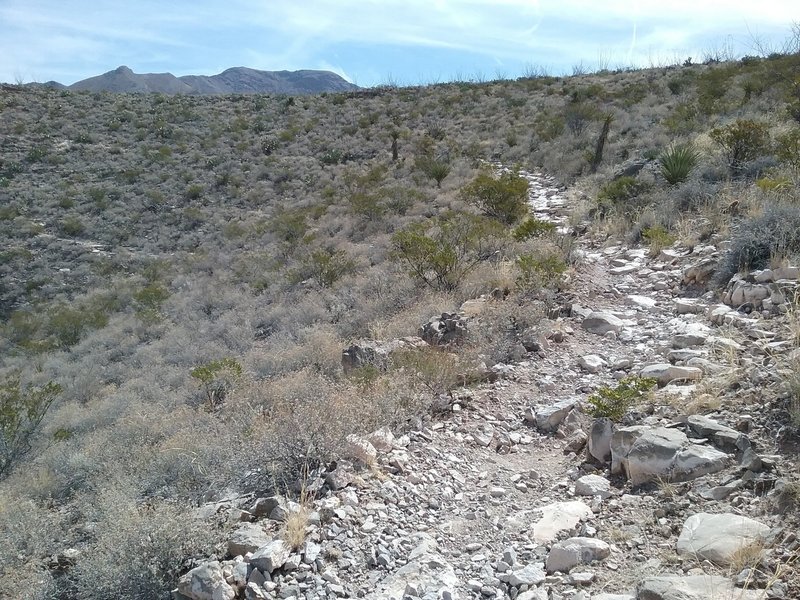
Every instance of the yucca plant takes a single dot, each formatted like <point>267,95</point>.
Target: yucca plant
<point>677,162</point>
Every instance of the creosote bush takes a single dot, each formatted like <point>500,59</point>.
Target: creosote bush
<point>504,198</point>
<point>441,253</point>
<point>532,228</point>
<point>22,409</point>
<point>741,141</point>
<point>614,403</point>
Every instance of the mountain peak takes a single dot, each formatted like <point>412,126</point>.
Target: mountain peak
<point>235,80</point>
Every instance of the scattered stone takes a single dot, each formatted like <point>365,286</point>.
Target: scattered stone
<point>271,556</point>
<point>666,373</point>
<point>592,363</point>
<point>532,574</point>
<point>692,587</point>
<point>548,417</point>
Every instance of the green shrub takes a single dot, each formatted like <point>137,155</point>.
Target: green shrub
<point>148,301</point>
<point>72,226</point>
<point>532,228</point>
<point>741,141</point>
<point>787,147</point>
<point>193,192</point>
<point>613,403</point>
<point>21,412</point>
<point>619,195</point>
<point>67,325</point>
<point>433,168</point>
<point>541,270</point>
<point>442,252</point>
<point>324,266</point>
<point>677,162</point>
<point>504,198</point>
<point>216,379</point>
<point>658,238</point>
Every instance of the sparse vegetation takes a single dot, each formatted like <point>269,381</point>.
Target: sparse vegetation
<point>614,403</point>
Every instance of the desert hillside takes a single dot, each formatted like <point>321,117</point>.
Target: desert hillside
<point>531,339</point>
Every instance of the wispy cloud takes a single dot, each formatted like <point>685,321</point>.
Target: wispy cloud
<point>72,39</point>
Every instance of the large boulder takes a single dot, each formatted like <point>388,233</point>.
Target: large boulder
<point>666,373</point>
<point>206,582</point>
<point>271,556</point>
<point>719,537</point>
<point>645,454</point>
<point>600,439</point>
<point>376,353</point>
<point>547,417</point>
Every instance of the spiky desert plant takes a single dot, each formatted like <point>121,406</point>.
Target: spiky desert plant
<point>677,162</point>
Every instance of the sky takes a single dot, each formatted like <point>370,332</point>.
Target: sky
<point>378,42</point>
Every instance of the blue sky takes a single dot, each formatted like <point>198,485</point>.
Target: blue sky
<point>372,42</point>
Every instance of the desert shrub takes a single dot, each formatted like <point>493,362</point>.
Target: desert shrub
<point>658,238</point>
<point>548,127</point>
<point>139,550</point>
<point>433,168</point>
<point>787,147</point>
<point>677,162</point>
<point>742,141</point>
<point>216,379</point>
<point>504,198</point>
<point>22,409</point>
<point>775,233</point>
<point>324,266</point>
<point>540,270</point>
<point>532,228</point>
<point>613,403</point>
<point>682,119</point>
<point>433,369</point>
<point>578,116</point>
<point>289,226</point>
<point>148,301</point>
<point>72,226</point>
<point>193,192</point>
<point>619,195</point>
<point>441,252</point>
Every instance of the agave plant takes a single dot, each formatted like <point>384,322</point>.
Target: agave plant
<point>677,162</point>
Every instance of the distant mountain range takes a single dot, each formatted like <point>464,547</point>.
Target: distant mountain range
<point>237,80</point>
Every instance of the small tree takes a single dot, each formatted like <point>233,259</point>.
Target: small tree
<point>504,198</point>
<point>21,413</point>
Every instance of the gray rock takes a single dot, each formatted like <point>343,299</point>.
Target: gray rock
<point>601,323</point>
<point>718,537</point>
<point>593,485</point>
<point>533,574</point>
<point>376,353</point>
<point>721,434</point>
<point>558,517</point>
<point>548,417</point>
<point>591,363</point>
<point>271,556</point>
<point>665,373</point>
<point>692,587</point>
<point>645,454</point>
<point>600,439</point>
<point>575,551</point>
<point>248,537</point>
<point>263,507</point>
<point>534,594</point>
<point>206,582</point>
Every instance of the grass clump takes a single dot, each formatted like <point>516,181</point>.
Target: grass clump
<point>613,403</point>
<point>678,162</point>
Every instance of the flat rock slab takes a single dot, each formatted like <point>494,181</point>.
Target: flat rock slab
<point>693,587</point>
<point>665,373</point>
<point>719,537</point>
<point>645,454</point>
<point>558,517</point>
<point>601,323</point>
<point>575,551</point>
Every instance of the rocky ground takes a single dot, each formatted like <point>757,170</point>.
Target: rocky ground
<point>514,491</point>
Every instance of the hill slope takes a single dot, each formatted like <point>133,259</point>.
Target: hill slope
<point>237,80</point>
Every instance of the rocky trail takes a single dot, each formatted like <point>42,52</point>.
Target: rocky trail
<point>514,491</point>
